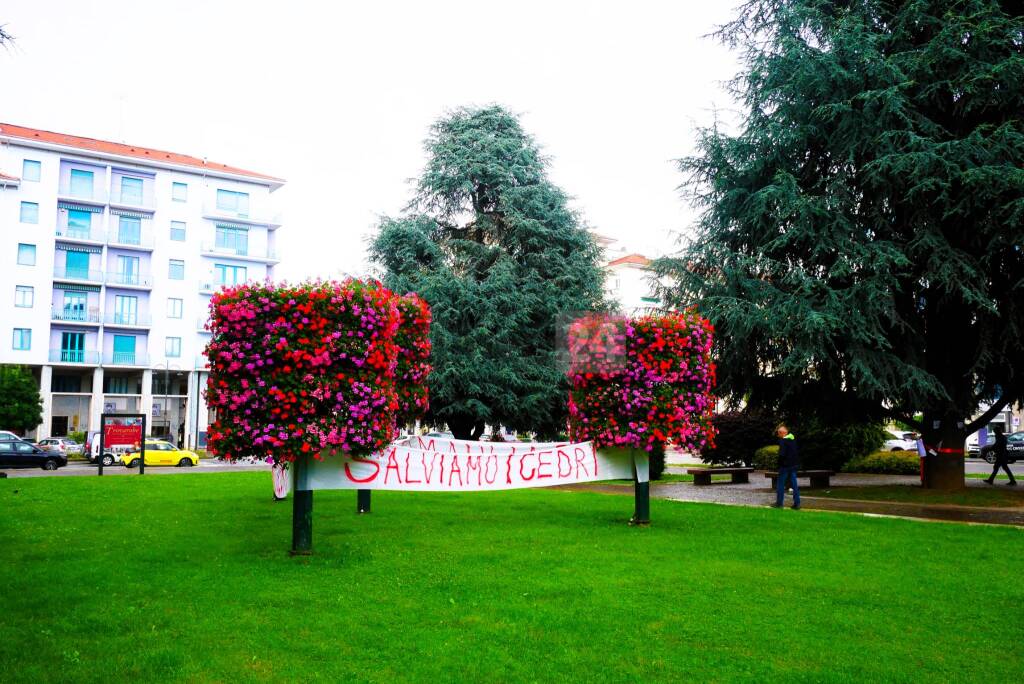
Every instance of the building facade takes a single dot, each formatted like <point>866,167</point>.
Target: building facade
<point>109,254</point>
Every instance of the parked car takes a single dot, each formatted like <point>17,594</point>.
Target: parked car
<point>1014,448</point>
<point>61,444</point>
<point>904,441</point>
<point>22,454</point>
<point>6,436</point>
<point>161,453</point>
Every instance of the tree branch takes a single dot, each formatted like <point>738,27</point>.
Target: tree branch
<point>985,417</point>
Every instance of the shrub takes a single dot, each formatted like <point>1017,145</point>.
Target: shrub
<point>78,436</point>
<point>886,463</point>
<point>828,446</point>
<point>767,457</point>
<point>740,433</point>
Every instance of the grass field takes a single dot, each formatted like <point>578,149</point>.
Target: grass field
<point>998,495</point>
<point>186,578</point>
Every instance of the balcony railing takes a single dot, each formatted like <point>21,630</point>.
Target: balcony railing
<point>74,356</point>
<point>126,319</point>
<point>201,324</point>
<point>126,359</point>
<point>130,199</point>
<point>59,313</point>
<point>258,215</point>
<point>130,279</point>
<point>240,252</point>
<point>96,196</point>
<point>117,238</point>
<point>62,272</point>
<point>69,234</point>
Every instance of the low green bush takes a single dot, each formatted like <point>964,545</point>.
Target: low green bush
<point>885,463</point>
<point>78,436</point>
<point>767,457</point>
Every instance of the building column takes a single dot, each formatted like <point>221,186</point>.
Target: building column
<point>147,399</point>
<point>202,412</point>
<point>191,410</point>
<point>96,405</point>
<point>46,392</point>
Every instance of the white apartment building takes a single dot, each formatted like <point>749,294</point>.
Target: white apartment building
<point>628,279</point>
<point>109,254</point>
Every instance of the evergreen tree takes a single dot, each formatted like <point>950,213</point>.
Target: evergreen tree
<point>490,243</point>
<point>22,408</point>
<point>860,246</point>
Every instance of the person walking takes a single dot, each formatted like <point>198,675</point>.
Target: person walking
<point>1002,458</point>
<point>789,464</point>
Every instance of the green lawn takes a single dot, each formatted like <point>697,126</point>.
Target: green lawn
<point>998,495</point>
<point>185,577</point>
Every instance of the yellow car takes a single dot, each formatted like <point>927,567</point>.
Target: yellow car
<point>161,453</point>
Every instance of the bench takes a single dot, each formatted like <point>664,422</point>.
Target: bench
<point>819,478</point>
<point>702,476</point>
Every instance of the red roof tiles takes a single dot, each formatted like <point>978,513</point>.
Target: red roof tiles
<point>638,259</point>
<point>120,149</point>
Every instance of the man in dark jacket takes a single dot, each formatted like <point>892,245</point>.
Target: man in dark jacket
<point>1002,458</point>
<point>789,464</point>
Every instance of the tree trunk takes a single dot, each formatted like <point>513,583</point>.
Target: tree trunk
<point>945,468</point>
<point>462,427</point>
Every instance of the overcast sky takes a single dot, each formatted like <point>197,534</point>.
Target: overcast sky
<point>338,97</point>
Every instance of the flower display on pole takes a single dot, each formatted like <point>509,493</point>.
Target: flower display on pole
<point>639,382</point>
<point>302,369</point>
<point>413,340</point>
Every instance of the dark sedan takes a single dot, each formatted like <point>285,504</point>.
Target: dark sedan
<point>21,454</point>
<point>1014,448</point>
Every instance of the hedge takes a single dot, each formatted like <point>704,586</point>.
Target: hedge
<point>886,463</point>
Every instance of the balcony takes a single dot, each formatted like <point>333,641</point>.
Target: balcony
<point>132,200</point>
<point>95,197</point>
<point>130,280</point>
<point>201,324</point>
<point>266,256</point>
<point>93,236</point>
<point>76,356</point>
<point>209,286</point>
<point>202,363</point>
<point>60,314</point>
<point>126,240</point>
<point>259,216</point>
<point>77,275</point>
<point>125,359</point>
<point>126,320</point>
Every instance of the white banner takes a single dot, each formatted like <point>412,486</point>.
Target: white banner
<point>448,465</point>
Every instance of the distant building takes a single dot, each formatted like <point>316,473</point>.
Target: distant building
<point>628,281</point>
<point>109,254</point>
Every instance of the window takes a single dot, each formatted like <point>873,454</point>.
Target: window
<point>129,230</point>
<point>124,349</point>
<point>229,275</point>
<point>178,231</point>
<point>72,347</point>
<point>29,212</point>
<point>234,202</point>
<point>30,170</point>
<point>66,383</point>
<point>79,223</point>
<point>128,270</point>
<point>174,307</point>
<point>126,310</point>
<point>176,270</point>
<point>234,240</point>
<point>116,385</point>
<point>22,338</point>
<point>81,183</point>
<point>75,306</point>
<point>26,254</point>
<point>172,347</point>
<point>131,190</point>
<point>179,192</point>
<point>76,264</point>
<point>24,296</point>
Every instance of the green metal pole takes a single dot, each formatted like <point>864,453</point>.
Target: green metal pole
<point>641,498</point>
<point>302,512</point>
<point>362,500</point>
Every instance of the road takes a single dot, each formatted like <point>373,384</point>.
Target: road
<point>79,468</point>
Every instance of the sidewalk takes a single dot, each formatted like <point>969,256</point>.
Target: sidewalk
<point>758,493</point>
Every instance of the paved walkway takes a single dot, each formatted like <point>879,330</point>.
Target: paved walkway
<point>758,493</point>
